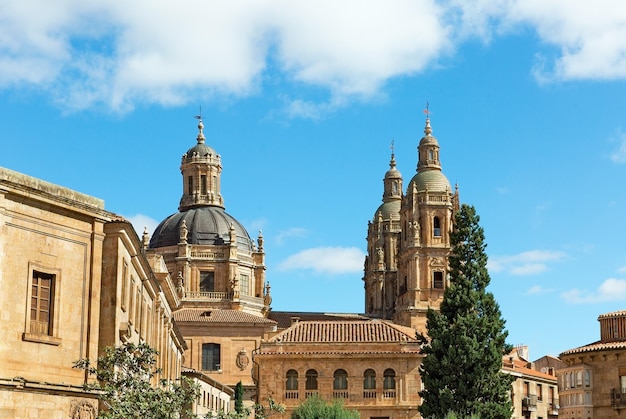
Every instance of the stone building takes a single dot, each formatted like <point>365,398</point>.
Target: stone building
<point>534,392</point>
<point>370,365</point>
<point>408,240</point>
<point>74,280</point>
<point>219,273</point>
<point>356,358</point>
<point>592,384</point>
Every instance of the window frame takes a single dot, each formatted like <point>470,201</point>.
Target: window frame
<point>52,336</point>
<point>311,379</point>
<point>389,379</point>
<point>369,379</point>
<point>291,383</point>
<point>340,379</point>
<point>215,366</point>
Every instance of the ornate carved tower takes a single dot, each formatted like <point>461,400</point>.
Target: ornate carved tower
<point>210,253</point>
<point>409,241</point>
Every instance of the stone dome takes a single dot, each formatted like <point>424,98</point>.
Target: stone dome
<point>200,150</point>
<point>433,180</point>
<point>206,225</point>
<point>389,210</point>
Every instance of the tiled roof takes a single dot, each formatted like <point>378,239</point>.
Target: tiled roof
<point>596,346</point>
<point>342,331</point>
<point>521,366</point>
<point>203,315</point>
<point>612,314</point>
<point>285,318</point>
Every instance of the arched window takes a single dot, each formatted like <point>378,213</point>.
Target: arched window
<point>369,379</point>
<point>341,380</point>
<point>292,380</point>
<point>436,227</point>
<point>389,379</point>
<point>311,380</point>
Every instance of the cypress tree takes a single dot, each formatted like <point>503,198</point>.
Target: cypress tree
<point>461,371</point>
<point>239,398</point>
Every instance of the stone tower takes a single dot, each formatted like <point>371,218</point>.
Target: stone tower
<point>408,241</point>
<point>208,252</point>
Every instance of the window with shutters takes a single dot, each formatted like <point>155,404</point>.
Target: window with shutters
<point>43,295</point>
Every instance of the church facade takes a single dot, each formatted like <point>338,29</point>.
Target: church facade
<point>197,291</point>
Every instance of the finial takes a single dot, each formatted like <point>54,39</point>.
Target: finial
<point>200,137</point>
<point>392,163</point>
<point>427,130</point>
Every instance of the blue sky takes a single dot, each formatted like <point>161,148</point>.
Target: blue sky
<point>302,101</point>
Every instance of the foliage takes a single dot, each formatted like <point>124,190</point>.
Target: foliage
<point>461,371</point>
<point>452,415</point>
<point>239,397</point>
<point>262,412</point>
<point>126,385</point>
<point>316,408</point>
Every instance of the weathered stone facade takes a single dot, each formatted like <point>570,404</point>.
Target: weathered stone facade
<point>592,385</point>
<point>74,280</point>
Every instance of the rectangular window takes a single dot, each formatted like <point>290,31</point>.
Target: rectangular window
<point>41,303</point>
<point>124,302</point>
<point>131,304</point>
<point>210,356</point>
<point>539,392</point>
<point>438,280</point>
<point>137,312</point>
<point>190,185</point>
<point>207,281</point>
<point>44,286</point>
<point>203,184</point>
<point>244,284</point>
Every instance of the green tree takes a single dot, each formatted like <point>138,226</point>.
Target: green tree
<point>125,385</point>
<point>239,397</point>
<point>461,371</point>
<point>316,408</point>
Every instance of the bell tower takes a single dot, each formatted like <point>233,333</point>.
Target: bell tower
<point>406,268</point>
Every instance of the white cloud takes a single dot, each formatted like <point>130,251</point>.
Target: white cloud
<point>525,263</point>
<point>590,37</point>
<point>621,269</point>
<point>619,154</point>
<point>612,289</point>
<point>326,260</point>
<point>294,232</point>
<point>538,289</point>
<point>141,222</point>
<point>117,54</point>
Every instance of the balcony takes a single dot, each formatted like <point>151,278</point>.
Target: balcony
<point>529,403</point>
<point>340,394</point>
<point>208,296</point>
<point>291,394</point>
<point>553,407</point>
<point>618,398</point>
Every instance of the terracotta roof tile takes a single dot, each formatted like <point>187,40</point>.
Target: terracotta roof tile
<point>596,346</point>
<point>285,318</point>
<point>218,316</point>
<point>342,331</point>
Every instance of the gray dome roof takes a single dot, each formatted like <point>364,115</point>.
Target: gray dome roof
<point>201,150</point>
<point>207,225</point>
<point>389,210</point>
<point>433,180</point>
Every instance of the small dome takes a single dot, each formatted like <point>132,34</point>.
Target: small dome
<point>200,150</point>
<point>389,210</point>
<point>393,173</point>
<point>433,180</point>
<point>209,225</point>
